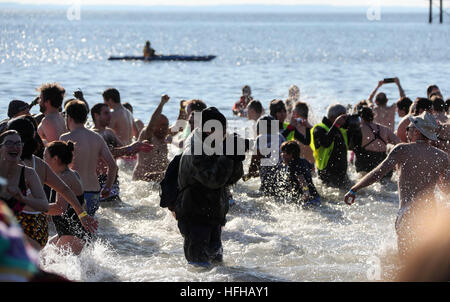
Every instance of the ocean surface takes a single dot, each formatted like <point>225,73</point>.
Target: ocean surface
<point>331,57</point>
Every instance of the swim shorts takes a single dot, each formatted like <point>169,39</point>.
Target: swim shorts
<point>92,202</point>
<point>115,190</point>
<point>34,225</point>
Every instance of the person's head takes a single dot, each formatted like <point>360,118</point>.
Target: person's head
<point>277,109</point>
<point>381,99</point>
<point>11,146</point>
<point>111,96</point>
<point>447,105</point>
<point>59,154</point>
<point>147,43</point>
<point>51,97</point>
<point>433,89</point>
<point>300,110</point>
<point>27,133</point>
<point>366,114</point>
<point>17,108</point>
<point>420,105</point>
<point>101,115</point>
<point>290,150</point>
<point>423,127</point>
<point>213,114</point>
<point>254,110</point>
<point>194,105</point>
<point>246,91</point>
<point>76,113</point>
<point>294,93</point>
<point>128,106</point>
<point>161,128</point>
<point>403,106</point>
<point>438,105</point>
<point>334,111</point>
<point>267,129</point>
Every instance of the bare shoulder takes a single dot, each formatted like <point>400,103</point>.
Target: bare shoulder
<point>65,136</point>
<point>400,149</point>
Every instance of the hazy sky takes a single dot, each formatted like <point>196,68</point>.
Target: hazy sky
<point>419,3</point>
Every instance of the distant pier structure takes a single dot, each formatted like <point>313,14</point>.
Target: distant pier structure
<point>441,11</point>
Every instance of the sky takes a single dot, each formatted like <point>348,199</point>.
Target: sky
<point>386,3</point>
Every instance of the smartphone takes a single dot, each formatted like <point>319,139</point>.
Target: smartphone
<point>389,80</point>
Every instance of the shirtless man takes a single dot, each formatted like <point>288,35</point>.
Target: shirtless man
<point>122,121</point>
<point>139,124</point>
<point>101,116</point>
<point>50,101</point>
<point>89,148</point>
<point>152,166</point>
<point>385,115</point>
<point>421,168</point>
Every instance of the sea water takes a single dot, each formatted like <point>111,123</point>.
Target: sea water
<point>331,57</point>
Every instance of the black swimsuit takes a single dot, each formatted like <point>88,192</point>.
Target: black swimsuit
<point>366,160</point>
<point>68,224</point>
<point>15,205</point>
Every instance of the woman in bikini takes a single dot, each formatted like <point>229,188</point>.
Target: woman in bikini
<point>24,188</point>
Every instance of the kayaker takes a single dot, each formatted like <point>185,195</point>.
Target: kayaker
<point>148,51</point>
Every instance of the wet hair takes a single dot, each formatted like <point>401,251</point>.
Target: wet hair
<point>53,92</point>
<point>27,133</point>
<point>212,113</point>
<point>404,104</point>
<point>196,105</point>
<point>113,94</point>
<point>301,108</point>
<point>97,109</point>
<point>77,111</point>
<point>431,88</point>
<point>256,106</point>
<point>421,103</point>
<point>128,106</point>
<point>268,119</point>
<point>438,104</point>
<point>291,147</point>
<point>366,113</point>
<point>246,88</point>
<point>64,151</point>
<point>7,133</point>
<point>276,106</point>
<point>381,99</point>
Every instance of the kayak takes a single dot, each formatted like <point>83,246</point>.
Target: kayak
<point>165,58</point>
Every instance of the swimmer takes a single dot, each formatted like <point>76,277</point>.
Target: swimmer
<point>421,168</point>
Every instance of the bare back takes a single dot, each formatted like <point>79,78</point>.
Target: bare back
<point>52,127</point>
<point>371,143</point>
<point>421,165</point>
<point>122,122</point>
<point>151,162</point>
<point>89,148</point>
<point>385,116</point>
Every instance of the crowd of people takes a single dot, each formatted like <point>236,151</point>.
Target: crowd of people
<point>53,167</point>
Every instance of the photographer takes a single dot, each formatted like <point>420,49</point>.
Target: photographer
<point>330,141</point>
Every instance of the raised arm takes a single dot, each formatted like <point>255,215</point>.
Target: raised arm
<point>370,99</point>
<point>155,116</point>
<point>400,89</point>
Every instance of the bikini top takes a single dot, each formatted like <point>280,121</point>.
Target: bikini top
<point>376,135</point>
<point>15,205</point>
